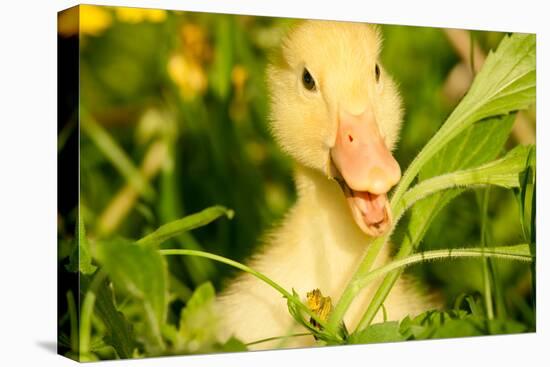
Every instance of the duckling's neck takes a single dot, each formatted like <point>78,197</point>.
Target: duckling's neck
<point>327,210</point>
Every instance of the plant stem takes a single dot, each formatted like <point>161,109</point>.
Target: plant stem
<point>277,338</point>
<point>87,312</point>
<point>249,270</point>
<point>517,252</point>
<point>73,317</point>
<point>85,323</point>
<point>486,278</point>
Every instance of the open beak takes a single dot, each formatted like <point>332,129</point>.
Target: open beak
<point>366,170</point>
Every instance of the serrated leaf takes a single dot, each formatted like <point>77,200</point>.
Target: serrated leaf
<point>141,272</point>
<point>119,332</point>
<point>80,259</point>
<point>377,333</point>
<point>185,224</point>
<point>507,81</point>
<point>477,145</point>
<point>455,323</point>
<point>504,172</point>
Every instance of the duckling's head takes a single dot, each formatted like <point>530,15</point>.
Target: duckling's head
<point>336,110</point>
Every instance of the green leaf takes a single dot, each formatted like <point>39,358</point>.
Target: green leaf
<point>479,144</point>
<point>119,332</point>
<point>377,333</point>
<point>185,224</point>
<point>504,172</point>
<point>80,259</point>
<point>198,321</point>
<point>141,272</point>
<point>455,323</point>
<point>233,345</point>
<point>506,83</point>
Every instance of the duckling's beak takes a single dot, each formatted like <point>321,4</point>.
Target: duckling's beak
<point>367,169</point>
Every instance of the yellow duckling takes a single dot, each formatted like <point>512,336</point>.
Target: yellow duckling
<point>337,112</point>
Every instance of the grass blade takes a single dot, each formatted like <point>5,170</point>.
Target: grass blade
<point>114,153</point>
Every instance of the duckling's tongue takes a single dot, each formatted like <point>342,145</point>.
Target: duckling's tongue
<point>370,211</point>
<point>372,206</point>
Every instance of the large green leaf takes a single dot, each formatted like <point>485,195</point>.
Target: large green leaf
<point>506,83</point>
<point>477,145</point>
<point>141,272</point>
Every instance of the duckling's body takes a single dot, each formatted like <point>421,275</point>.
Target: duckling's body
<point>321,241</point>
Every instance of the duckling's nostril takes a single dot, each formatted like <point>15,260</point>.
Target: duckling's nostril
<point>350,138</point>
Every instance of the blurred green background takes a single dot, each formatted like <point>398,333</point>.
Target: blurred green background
<point>174,107</point>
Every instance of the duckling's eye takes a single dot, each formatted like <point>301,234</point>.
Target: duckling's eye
<point>377,73</point>
<point>307,80</point>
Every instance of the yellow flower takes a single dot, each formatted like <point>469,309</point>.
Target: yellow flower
<point>194,41</point>
<point>239,75</point>
<point>94,19</point>
<point>188,75</point>
<point>137,15</point>
<point>321,306</point>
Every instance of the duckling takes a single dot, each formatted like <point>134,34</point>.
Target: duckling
<point>337,113</point>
